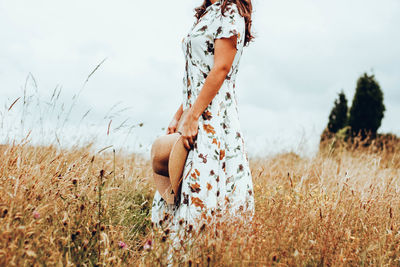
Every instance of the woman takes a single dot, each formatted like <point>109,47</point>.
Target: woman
<point>216,176</point>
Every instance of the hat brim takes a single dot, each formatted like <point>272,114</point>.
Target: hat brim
<point>176,164</point>
<point>163,186</point>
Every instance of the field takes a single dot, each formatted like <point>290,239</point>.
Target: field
<point>78,206</point>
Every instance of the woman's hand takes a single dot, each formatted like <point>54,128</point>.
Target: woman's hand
<point>189,131</point>
<point>172,126</point>
<point>174,122</point>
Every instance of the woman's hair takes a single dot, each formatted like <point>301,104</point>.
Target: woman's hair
<point>245,9</point>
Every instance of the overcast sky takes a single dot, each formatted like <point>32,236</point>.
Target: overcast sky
<point>304,53</point>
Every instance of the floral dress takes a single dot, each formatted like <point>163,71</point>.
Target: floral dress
<point>216,176</point>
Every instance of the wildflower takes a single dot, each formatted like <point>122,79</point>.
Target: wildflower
<point>122,245</point>
<point>148,244</point>
<point>36,215</point>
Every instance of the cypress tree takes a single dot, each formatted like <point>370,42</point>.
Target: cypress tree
<point>338,115</point>
<point>367,109</point>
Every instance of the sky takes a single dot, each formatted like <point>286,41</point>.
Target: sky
<point>305,52</point>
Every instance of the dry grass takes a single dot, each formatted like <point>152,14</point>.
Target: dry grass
<point>76,206</point>
<point>64,207</point>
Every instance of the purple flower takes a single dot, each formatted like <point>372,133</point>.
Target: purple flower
<point>36,215</point>
<point>122,245</point>
<point>148,245</point>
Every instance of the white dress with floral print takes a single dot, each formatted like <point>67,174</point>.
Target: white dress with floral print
<point>216,176</point>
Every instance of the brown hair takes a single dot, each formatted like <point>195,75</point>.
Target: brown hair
<point>245,9</point>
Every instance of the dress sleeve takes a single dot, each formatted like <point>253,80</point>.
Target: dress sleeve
<point>229,24</point>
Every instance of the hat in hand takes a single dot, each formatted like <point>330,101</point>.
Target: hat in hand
<point>168,158</point>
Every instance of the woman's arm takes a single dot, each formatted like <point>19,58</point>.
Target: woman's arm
<point>179,112</point>
<point>224,54</point>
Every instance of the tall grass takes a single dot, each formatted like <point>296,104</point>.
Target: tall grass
<point>84,206</point>
<point>329,210</point>
<point>80,207</point>
<point>70,206</point>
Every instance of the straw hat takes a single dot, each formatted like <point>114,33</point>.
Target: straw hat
<point>168,158</point>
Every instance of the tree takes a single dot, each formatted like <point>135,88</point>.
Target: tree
<point>338,115</point>
<point>367,109</point>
